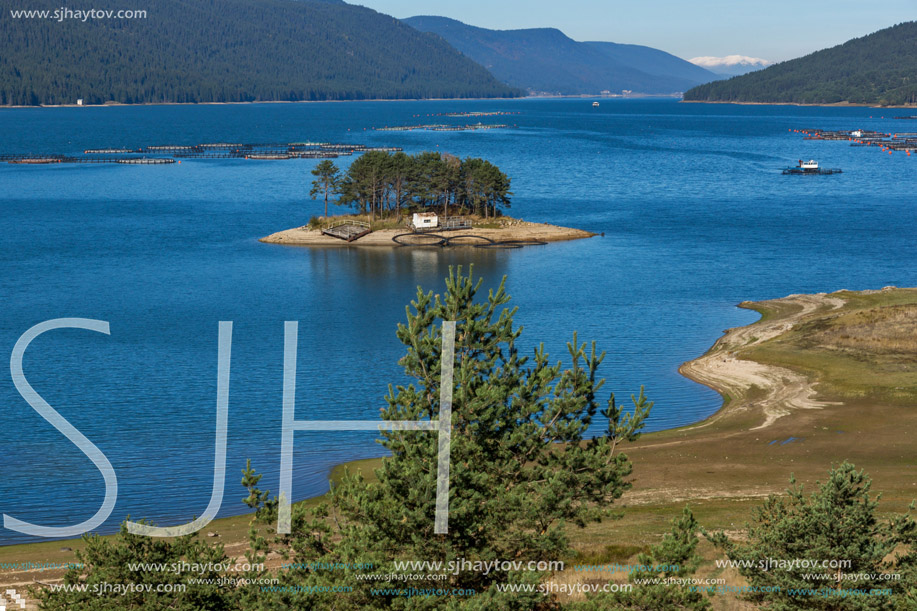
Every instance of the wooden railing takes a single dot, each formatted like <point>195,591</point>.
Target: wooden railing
<point>458,222</point>
<point>450,224</point>
<point>340,223</point>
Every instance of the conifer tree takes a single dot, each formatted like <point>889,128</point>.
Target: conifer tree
<point>327,181</point>
<point>524,467</point>
<point>837,522</point>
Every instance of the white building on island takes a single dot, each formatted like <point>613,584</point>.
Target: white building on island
<point>425,220</point>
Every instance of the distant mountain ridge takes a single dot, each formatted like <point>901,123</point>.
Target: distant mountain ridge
<point>880,69</point>
<point>654,61</point>
<point>191,51</point>
<point>547,60</point>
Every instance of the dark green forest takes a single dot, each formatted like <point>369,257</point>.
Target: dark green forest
<point>879,69</point>
<point>381,184</point>
<point>189,51</point>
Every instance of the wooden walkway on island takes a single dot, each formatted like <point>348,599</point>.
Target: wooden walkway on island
<point>347,230</point>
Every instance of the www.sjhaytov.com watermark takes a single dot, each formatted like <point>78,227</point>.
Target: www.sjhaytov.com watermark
<point>68,14</point>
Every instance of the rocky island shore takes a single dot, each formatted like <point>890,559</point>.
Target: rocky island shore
<point>498,230</point>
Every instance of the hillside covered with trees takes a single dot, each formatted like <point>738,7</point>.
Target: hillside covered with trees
<point>190,51</point>
<point>880,69</point>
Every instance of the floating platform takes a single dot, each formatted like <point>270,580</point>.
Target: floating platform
<point>901,141</point>
<point>320,154</point>
<point>268,156</point>
<point>162,154</point>
<point>497,113</point>
<point>168,147</point>
<point>36,160</point>
<point>440,128</point>
<point>145,161</point>
<point>33,160</point>
<point>347,230</point>
<point>213,154</point>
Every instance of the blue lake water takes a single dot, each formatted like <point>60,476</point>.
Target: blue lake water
<point>695,213</point>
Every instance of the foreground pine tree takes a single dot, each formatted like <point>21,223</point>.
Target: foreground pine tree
<point>837,522</point>
<point>524,468</point>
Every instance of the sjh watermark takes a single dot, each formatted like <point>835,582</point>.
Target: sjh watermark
<point>442,426</point>
<point>68,14</point>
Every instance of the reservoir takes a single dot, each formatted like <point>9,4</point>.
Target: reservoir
<point>695,213</point>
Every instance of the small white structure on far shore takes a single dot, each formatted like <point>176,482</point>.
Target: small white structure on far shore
<point>425,220</point>
<point>79,102</point>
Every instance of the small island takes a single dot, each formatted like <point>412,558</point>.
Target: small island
<point>503,229</point>
<point>427,199</point>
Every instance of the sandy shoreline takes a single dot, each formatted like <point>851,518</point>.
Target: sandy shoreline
<point>773,391</point>
<point>526,97</point>
<point>513,230</point>
<point>523,97</point>
<point>123,105</point>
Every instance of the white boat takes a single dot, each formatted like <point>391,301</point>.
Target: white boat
<point>810,167</point>
<point>595,104</point>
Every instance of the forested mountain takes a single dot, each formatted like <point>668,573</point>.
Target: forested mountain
<point>546,60</point>
<point>228,51</point>
<point>654,62</point>
<point>880,68</point>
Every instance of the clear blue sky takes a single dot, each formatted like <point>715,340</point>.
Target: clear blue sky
<point>770,29</point>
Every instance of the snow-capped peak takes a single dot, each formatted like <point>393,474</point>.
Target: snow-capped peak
<point>729,61</point>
